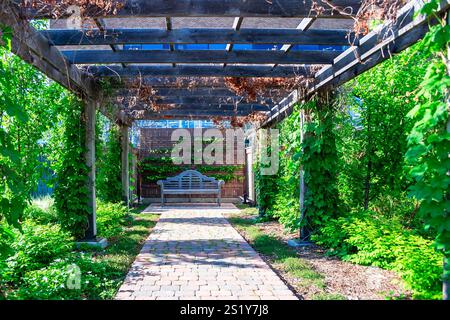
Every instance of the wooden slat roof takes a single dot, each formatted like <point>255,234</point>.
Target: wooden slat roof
<point>169,39</point>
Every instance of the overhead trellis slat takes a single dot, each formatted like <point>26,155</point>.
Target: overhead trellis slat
<point>61,37</point>
<point>31,46</point>
<point>210,100</point>
<point>219,8</point>
<point>200,56</point>
<point>133,71</point>
<point>186,114</point>
<point>248,108</point>
<point>374,48</point>
<point>198,92</point>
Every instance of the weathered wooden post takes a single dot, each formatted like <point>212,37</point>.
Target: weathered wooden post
<point>134,175</point>
<point>125,145</point>
<point>302,178</point>
<point>89,114</point>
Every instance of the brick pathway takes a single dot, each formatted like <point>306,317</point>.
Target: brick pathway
<point>194,253</point>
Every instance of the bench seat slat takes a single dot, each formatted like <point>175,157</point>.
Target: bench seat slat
<point>191,182</point>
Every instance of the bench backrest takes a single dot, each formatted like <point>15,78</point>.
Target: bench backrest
<point>190,179</point>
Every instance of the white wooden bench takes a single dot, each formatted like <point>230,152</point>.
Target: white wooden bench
<point>191,182</point>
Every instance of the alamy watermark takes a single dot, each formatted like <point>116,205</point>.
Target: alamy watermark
<point>219,147</point>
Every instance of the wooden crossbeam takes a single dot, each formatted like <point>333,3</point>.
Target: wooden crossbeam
<point>60,37</point>
<point>215,8</point>
<point>200,92</point>
<point>175,82</point>
<point>201,100</point>
<point>101,26</point>
<point>376,47</point>
<point>303,26</point>
<point>243,107</point>
<point>200,56</point>
<point>169,28</point>
<point>32,47</point>
<point>35,49</point>
<point>183,114</point>
<point>236,27</point>
<point>133,71</point>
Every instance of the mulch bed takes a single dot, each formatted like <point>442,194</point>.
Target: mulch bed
<point>354,282</point>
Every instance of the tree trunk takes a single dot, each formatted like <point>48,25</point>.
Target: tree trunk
<point>367,184</point>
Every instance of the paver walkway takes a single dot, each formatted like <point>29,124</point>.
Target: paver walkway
<point>194,253</point>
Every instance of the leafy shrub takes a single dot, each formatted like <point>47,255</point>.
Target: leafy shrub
<point>6,238</point>
<point>76,276</point>
<point>368,239</point>
<point>37,246</point>
<point>39,215</point>
<point>110,218</point>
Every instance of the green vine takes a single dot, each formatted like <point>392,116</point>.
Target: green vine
<point>319,158</point>
<point>109,180</point>
<point>71,185</point>
<point>153,169</point>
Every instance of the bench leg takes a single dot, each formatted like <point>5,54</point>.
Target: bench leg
<point>162,198</point>
<point>219,200</point>
<point>190,198</point>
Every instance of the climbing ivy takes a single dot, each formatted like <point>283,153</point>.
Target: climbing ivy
<point>286,201</point>
<point>278,195</point>
<point>266,187</point>
<point>154,168</point>
<point>71,170</point>
<point>319,158</point>
<point>109,180</point>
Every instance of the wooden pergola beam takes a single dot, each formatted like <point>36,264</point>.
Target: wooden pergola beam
<point>216,8</point>
<point>200,56</point>
<point>200,36</point>
<point>242,107</point>
<point>200,92</point>
<point>133,71</point>
<point>184,114</point>
<point>202,100</point>
<point>183,82</point>
<point>35,49</point>
<point>374,48</point>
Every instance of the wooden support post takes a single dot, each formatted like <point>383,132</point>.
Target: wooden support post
<point>134,174</point>
<point>125,144</point>
<point>89,114</point>
<point>302,179</point>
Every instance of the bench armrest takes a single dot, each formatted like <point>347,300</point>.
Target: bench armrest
<point>160,183</point>
<point>221,183</point>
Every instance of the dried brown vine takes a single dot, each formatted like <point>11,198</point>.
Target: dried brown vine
<point>87,8</point>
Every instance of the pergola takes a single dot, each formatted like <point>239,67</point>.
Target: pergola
<point>163,41</point>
